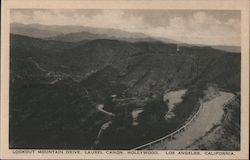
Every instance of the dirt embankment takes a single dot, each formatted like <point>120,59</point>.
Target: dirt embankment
<point>211,113</point>
<point>226,134</point>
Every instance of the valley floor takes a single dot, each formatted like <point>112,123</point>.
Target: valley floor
<point>210,114</point>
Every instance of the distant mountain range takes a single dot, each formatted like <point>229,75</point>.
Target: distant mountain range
<point>81,33</point>
<point>83,36</point>
<point>62,32</point>
<point>235,49</point>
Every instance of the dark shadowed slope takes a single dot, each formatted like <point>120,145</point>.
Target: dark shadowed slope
<point>55,86</point>
<point>142,66</point>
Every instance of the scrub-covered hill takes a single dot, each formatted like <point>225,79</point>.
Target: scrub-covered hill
<point>55,87</point>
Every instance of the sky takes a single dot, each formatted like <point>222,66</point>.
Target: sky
<point>211,27</point>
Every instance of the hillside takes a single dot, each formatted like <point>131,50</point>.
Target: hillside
<point>224,135</point>
<point>51,80</point>
<point>145,64</point>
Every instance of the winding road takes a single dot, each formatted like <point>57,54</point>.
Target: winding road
<point>100,107</point>
<point>210,114</point>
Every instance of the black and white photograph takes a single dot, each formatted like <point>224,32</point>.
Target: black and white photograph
<point>125,79</point>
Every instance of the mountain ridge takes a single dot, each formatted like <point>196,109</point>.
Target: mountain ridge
<point>75,34</point>
<point>55,87</point>
<point>150,56</point>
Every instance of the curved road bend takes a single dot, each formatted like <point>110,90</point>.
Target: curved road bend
<point>210,114</point>
<point>100,108</point>
<point>105,125</point>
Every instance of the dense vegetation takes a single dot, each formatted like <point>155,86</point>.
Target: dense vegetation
<point>55,86</point>
<point>122,135</point>
<point>52,116</point>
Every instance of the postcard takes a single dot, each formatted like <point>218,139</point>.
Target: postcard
<point>124,79</point>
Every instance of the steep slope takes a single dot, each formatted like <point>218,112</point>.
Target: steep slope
<point>55,86</point>
<point>226,134</point>
<point>141,66</point>
<point>29,44</point>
